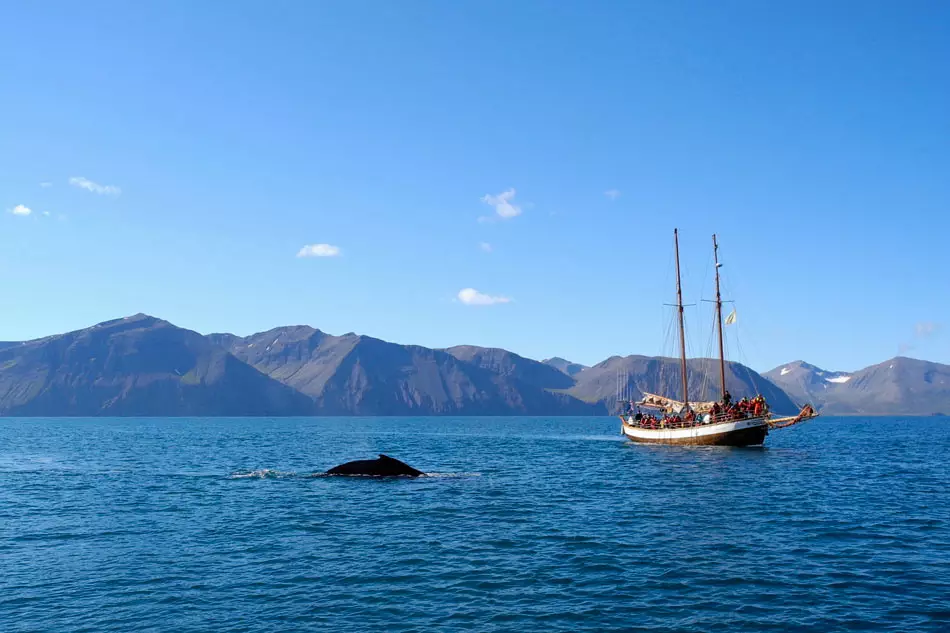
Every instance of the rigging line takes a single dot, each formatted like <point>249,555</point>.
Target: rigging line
<point>664,351</point>
<point>667,283</point>
<point>714,342</point>
<point>668,335</point>
<point>664,341</point>
<point>710,351</point>
<point>751,378</point>
<point>707,356</point>
<point>667,343</point>
<point>705,366</point>
<point>690,343</point>
<point>741,356</point>
<point>726,291</point>
<point>705,279</point>
<point>667,321</point>
<point>750,338</point>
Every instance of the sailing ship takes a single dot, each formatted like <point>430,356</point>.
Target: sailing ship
<point>722,422</point>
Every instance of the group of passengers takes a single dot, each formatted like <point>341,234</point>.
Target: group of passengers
<point>720,412</point>
<point>651,421</point>
<point>746,408</point>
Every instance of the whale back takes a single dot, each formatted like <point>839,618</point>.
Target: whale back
<point>383,466</point>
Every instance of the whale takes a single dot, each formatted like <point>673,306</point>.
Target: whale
<point>383,466</point>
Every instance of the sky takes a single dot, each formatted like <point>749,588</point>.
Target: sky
<point>492,173</point>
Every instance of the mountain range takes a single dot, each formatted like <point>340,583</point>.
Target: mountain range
<point>144,366</point>
<point>899,386</point>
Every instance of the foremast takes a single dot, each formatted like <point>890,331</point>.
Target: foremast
<point>722,357</point>
<point>679,306</point>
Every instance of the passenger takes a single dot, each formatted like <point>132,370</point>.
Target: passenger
<point>726,398</point>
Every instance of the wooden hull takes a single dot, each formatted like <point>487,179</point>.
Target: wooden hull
<point>750,432</point>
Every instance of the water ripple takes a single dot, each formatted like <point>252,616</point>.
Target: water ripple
<point>519,525</point>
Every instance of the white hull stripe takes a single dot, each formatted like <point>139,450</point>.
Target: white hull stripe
<point>702,430</point>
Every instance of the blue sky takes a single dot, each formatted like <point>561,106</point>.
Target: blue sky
<point>218,140</point>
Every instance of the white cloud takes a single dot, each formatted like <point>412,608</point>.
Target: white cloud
<point>612,194</point>
<point>21,209</point>
<point>485,246</point>
<point>319,250</point>
<point>88,185</point>
<point>46,213</point>
<point>503,204</point>
<point>46,185</point>
<point>472,297</point>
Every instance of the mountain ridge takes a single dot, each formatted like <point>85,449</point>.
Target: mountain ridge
<point>143,365</point>
<point>897,386</point>
<point>662,375</point>
<point>362,375</point>
<point>564,365</point>
<point>137,365</point>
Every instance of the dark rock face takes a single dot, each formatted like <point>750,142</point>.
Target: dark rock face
<point>138,365</point>
<point>900,386</point>
<point>144,366</point>
<point>362,375</point>
<point>511,365</point>
<point>662,376</point>
<point>383,466</point>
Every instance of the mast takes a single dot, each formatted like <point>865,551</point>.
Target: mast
<point>722,360</point>
<point>679,305</point>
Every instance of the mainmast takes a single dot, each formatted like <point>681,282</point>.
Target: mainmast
<point>679,305</point>
<point>722,360</point>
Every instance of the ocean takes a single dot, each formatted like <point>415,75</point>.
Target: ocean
<point>525,524</point>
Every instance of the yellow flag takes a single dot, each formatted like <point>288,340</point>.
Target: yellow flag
<point>731,318</point>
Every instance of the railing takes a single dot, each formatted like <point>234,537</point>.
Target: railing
<point>668,423</point>
<point>733,417</point>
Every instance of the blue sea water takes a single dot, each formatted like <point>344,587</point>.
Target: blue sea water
<point>527,524</point>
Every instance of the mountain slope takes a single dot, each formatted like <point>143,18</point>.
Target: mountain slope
<point>509,364</point>
<point>900,386</point>
<point>804,382</point>
<point>297,355</point>
<point>662,376</point>
<point>361,375</point>
<point>566,366</point>
<point>139,366</point>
